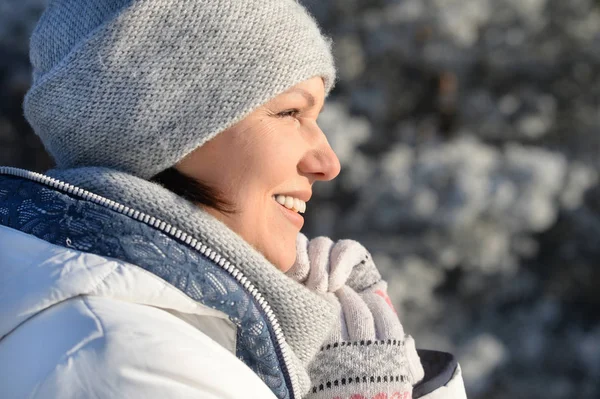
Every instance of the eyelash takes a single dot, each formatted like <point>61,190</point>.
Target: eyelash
<point>290,112</point>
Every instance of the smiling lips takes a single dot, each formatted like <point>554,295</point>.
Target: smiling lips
<point>291,203</point>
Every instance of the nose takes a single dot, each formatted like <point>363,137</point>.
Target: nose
<point>320,161</point>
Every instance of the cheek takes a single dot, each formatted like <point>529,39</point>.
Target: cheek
<point>270,165</point>
<point>284,151</point>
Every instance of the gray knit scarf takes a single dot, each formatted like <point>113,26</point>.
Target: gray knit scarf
<point>305,317</point>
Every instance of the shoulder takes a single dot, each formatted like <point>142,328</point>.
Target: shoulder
<point>114,348</point>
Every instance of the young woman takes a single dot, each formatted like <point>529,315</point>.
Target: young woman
<point>163,256</point>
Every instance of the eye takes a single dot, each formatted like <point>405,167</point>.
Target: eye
<point>289,113</point>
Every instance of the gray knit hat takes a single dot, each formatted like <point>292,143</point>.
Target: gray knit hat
<point>136,85</point>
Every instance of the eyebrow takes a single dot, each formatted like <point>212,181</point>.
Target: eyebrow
<point>309,97</point>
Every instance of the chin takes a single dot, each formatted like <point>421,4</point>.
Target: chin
<point>281,251</point>
<point>285,262</point>
<point>286,267</point>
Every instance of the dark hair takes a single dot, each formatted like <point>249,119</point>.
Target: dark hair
<point>192,190</point>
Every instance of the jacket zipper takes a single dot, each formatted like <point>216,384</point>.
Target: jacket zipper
<point>180,235</point>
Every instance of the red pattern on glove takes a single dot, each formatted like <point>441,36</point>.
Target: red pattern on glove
<point>385,296</point>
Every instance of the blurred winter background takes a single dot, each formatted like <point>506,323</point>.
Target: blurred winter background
<point>469,136</point>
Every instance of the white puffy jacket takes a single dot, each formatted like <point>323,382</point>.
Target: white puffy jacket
<point>77,325</point>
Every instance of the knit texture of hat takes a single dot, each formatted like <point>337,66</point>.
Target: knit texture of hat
<point>135,85</point>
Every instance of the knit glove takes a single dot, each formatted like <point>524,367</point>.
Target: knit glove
<point>367,355</point>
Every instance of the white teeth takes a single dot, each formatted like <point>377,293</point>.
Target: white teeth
<point>292,203</point>
<point>289,202</point>
<point>297,204</point>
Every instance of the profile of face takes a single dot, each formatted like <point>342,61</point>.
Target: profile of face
<point>276,150</point>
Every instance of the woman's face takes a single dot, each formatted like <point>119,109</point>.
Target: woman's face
<point>277,149</point>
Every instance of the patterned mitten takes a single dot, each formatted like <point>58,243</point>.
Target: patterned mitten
<point>367,355</point>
